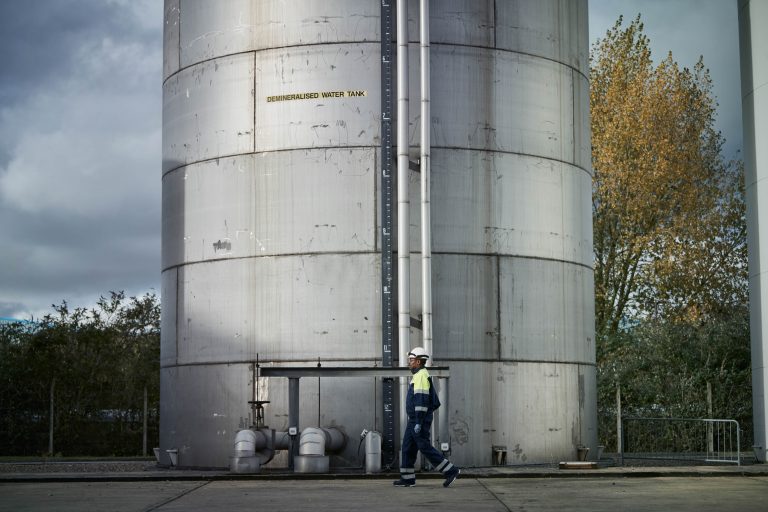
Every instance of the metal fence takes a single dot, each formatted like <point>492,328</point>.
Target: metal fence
<point>681,439</point>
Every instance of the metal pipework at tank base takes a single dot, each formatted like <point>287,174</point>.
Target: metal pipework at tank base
<point>314,443</point>
<point>441,373</point>
<point>255,448</point>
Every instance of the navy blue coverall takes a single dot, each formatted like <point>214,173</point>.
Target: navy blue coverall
<point>419,407</point>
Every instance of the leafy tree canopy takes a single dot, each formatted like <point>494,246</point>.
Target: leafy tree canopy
<point>669,230</point>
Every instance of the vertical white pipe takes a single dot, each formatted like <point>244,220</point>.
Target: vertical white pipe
<point>403,203</point>
<point>426,232</point>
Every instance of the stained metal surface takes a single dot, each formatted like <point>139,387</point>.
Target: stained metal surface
<point>171,38</point>
<point>535,326</point>
<point>289,308</point>
<point>551,29</point>
<point>212,29</point>
<point>540,411</point>
<point>482,100</point>
<point>270,220</point>
<point>168,320</point>
<point>332,121</point>
<point>208,111</point>
<point>518,205</point>
<point>268,204</point>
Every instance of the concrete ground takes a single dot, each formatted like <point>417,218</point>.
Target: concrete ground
<point>698,489</point>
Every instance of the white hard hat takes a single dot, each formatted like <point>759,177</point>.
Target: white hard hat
<point>418,353</point>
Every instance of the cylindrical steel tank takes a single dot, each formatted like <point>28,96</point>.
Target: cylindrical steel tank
<point>271,133</point>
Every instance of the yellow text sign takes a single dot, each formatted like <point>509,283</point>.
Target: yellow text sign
<point>317,95</point>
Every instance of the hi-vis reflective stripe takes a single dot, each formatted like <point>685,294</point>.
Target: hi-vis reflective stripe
<point>442,465</point>
<point>421,408</point>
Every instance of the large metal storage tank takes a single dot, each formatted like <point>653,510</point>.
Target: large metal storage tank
<point>270,220</point>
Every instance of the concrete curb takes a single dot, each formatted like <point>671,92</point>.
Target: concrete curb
<point>760,470</point>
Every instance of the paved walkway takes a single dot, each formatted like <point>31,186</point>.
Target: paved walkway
<point>694,489</point>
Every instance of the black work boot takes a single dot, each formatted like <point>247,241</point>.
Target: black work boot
<point>451,475</point>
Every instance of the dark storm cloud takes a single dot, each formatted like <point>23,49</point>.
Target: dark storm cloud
<point>80,129</point>
<point>38,39</point>
<point>47,258</point>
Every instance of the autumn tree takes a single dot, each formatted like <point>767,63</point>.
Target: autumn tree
<point>669,238</point>
<point>669,233</point>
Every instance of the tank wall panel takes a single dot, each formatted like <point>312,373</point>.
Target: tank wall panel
<point>539,411</point>
<point>466,22</point>
<point>326,305</point>
<point>170,38</point>
<point>465,305</point>
<point>270,204</point>
<point>210,403</point>
<point>527,322</point>
<point>553,29</point>
<point>582,124</point>
<point>169,286</point>
<point>318,122</point>
<point>539,325</point>
<point>508,204</point>
<point>542,419</point>
<point>498,101</point>
<point>470,409</point>
<point>208,111</point>
<point>213,29</point>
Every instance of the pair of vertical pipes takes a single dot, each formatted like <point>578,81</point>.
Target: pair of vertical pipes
<point>403,202</point>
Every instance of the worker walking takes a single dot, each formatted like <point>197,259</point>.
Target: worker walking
<point>419,405</point>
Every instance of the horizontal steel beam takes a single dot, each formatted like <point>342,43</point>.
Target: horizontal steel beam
<point>294,372</point>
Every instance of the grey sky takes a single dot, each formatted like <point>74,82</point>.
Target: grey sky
<point>80,135</point>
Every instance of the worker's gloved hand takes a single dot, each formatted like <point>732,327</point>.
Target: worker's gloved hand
<point>417,428</point>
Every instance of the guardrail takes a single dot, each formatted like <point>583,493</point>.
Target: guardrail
<point>690,439</point>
